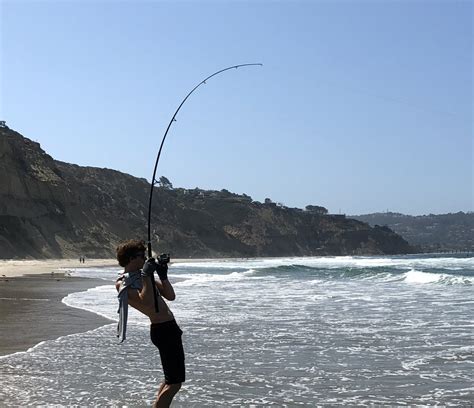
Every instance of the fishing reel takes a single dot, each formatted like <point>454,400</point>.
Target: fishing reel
<point>163,259</point>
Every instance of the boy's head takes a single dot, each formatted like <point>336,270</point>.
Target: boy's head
<point>130,250</point>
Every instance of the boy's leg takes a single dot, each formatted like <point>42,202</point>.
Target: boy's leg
<point>159,389</point>
<point>167,337</point>
<point>166,394</point>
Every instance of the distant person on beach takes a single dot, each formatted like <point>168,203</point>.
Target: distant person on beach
<point>135,283</point>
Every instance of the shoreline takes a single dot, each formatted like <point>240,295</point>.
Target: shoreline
<point>31,307</point>
<point>10,268</point>
<point>32,311</point>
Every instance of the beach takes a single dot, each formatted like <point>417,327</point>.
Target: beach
<point>30,302</point>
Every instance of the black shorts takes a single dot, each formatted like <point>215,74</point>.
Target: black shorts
<point>167,337</point>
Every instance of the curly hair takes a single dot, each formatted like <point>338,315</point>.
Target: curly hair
<point>129,249</point>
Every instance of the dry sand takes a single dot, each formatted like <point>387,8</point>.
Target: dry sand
<point>11,268</point>
<point>14,268</point>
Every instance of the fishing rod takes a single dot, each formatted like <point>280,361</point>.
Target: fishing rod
<point>153,178</point>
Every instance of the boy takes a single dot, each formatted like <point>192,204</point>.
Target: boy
<point>135,288</point>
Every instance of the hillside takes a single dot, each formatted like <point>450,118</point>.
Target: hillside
<point>53,209</point>
<point>444,232</point>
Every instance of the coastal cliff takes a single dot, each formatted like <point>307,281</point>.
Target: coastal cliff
<point>53,209</point>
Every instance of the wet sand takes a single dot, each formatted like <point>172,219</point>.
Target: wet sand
<point>31,310</point>
<point>31,291</point>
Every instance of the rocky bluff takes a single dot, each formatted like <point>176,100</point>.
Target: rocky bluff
<point>53,209</point>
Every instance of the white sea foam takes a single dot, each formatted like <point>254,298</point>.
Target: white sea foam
<point>415,276</point>
<point>108,273</point>
<point>102,301</point>
<point>462,354</point>
<point>33,299</point>
<point>197,279</point>
<point>19,353</point>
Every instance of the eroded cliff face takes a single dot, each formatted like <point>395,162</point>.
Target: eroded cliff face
<point>54,209</point>
<point>32,198</point>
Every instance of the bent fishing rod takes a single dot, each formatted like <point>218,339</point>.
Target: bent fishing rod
<point>153,178</point>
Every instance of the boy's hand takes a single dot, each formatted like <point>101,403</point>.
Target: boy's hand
<point>149,267</point>
<point>162,270</point>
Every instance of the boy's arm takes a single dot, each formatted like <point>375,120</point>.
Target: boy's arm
<point>146,293</point>
<point>164,285</point>
<point>166,289</point>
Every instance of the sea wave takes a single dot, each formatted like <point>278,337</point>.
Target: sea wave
<point>376,274</point>
<point>413,271</point>
<point>329,267</point>
<point>337,262</point>
<point>210,278</point>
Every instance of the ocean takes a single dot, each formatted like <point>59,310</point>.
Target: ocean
<point>286,332</point>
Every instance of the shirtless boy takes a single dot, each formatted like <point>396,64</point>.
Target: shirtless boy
<point>164,332</point>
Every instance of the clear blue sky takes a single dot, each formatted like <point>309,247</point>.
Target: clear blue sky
<point>361,106</point>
